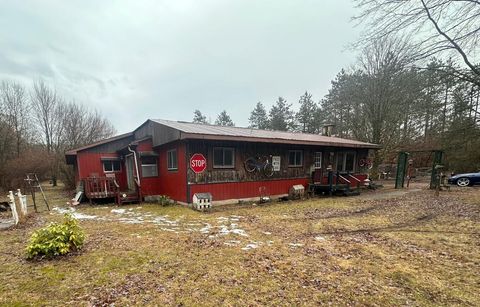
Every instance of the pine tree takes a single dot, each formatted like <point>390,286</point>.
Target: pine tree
<point>307,113</point>
<point>199,118</point>
<point>281,116</point>
<point>258,117</point>
<point>223,119</point>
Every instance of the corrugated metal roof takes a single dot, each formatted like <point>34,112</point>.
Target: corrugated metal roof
<point>201,130</point>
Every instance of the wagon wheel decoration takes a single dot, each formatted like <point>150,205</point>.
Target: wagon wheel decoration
<point>365,162</point>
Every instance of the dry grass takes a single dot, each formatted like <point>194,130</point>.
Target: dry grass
<point>410,250</point>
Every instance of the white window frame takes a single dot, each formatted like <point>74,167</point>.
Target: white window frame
<point>223,157</point>
<point>344,162</point>
<point>296,151</point>
<point>172,153</point>
<point>154,166</point>
<point>317,159</point>
<point>113,169</point>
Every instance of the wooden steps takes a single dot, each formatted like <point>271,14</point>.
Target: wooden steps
<point>128,197</point>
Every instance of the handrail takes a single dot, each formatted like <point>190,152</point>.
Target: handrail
<point>358,180</point>
<point>345,179</point>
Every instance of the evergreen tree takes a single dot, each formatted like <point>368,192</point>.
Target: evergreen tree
<point>223,119</point>
<point>258,117</point>
<point>307,113</point>
<point>199,118</point>
<point>281,117</point>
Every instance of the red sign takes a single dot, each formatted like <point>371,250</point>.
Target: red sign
<point>198,163</point>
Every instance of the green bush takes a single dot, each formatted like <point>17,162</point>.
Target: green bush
<point>164,200</point>
<point>56,239</point>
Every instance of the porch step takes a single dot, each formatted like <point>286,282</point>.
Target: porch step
<point>128,198</point>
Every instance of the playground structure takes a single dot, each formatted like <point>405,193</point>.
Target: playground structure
<point>406,169</point>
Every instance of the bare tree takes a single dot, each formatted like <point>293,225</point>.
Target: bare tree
<point>83,126</point>
<point>47,110</point>
<point>434,27</point>
<point>16,112</point>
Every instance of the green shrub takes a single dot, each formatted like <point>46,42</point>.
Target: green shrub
<point>164,200</point>
<point>56,239</point>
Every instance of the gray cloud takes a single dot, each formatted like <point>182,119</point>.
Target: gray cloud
<point>163,59</point>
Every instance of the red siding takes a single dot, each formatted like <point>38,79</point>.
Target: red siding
<point>249,189</point>
<point>89,162</point>
<point>171,183</point>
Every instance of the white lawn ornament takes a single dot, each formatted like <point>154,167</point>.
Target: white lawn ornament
<point>23,202</point>
<point>13,207</point>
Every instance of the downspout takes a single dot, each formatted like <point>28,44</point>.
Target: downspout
<point>136,164</point>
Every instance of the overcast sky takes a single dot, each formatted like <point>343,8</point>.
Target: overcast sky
<point>135,60</point>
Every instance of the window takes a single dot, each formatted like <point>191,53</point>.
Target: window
<point>318,159</point>
<point>346,161</point>
<point>111,166</point>
<point>149,166</point>
<point>223,157</point>
<point>172,161</point>
<point>295,158</point>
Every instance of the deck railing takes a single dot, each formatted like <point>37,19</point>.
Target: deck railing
<point>101,187</point>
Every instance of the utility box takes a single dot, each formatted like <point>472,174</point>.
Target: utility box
<point>297,191</point>
<point>202,201</point>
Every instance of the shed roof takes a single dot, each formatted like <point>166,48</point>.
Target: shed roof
<point>73,152</point>
<point>206,131</point>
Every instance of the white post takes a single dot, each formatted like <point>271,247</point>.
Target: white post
<point>23,202</point>
<point>13,207</point>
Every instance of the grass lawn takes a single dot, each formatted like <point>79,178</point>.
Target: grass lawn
<point>412,249</point>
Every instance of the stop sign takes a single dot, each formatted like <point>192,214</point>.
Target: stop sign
<point>198,163</point>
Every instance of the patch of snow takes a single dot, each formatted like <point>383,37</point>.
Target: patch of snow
<point>239,232</point>
<point>118,211</point>
<point>250,246</point>
<point>294,245</point>
<point>81,216</point>
<point>63,210</point>
<point>267,233</point>
<point>206,228</point>
<point>320,238</point>
<point>72,211</point>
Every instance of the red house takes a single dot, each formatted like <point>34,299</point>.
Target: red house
<point>179,159</point>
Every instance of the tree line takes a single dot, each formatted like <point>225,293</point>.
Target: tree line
<point>37,126</point>
<point>281,116</point>
<point>415,85</point>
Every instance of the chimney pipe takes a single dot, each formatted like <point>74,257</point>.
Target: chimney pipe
<point>327,129</point>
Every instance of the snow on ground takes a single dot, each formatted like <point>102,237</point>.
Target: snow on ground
<point>77,215</point>
<point>223,227</point>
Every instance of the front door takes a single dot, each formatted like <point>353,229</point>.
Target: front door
<point>129,167</point>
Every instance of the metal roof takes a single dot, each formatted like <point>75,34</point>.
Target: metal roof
<point>74,151</point>
<point>206,131</point>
